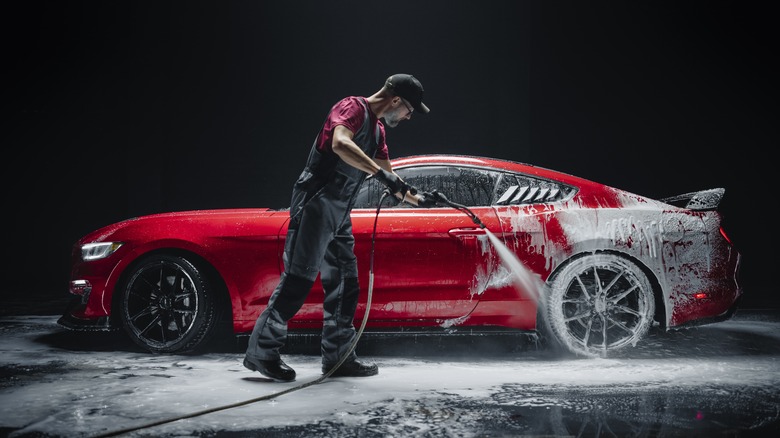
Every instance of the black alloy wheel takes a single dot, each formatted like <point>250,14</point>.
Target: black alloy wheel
<point>167,306</point>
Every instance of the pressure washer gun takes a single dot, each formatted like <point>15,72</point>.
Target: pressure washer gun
<point>436,196</point>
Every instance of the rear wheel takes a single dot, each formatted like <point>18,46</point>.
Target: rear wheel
<point>167,305</point>
<point>599,304</point>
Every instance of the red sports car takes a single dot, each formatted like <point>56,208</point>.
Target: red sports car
<point>510,248</point>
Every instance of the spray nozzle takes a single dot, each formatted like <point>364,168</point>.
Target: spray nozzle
<point>475,219</point>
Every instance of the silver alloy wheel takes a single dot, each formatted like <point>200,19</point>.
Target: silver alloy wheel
<point>600,303</point>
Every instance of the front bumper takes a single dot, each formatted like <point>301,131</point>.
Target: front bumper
<point>72,322</point>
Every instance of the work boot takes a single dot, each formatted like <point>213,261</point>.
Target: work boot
<point>353,368</point>
<point>274,369</point>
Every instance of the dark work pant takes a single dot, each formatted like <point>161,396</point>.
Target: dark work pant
<point>313,247</point>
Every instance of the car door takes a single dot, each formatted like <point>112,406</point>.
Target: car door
<point>429,264</point>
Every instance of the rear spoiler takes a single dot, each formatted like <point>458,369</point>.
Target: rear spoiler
<point>701,200</point>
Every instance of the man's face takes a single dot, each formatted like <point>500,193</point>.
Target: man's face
<point>403,111</point>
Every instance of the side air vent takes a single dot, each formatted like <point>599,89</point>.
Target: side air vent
<point>524,195</point>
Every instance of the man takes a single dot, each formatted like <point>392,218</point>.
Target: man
<point>350,144</point>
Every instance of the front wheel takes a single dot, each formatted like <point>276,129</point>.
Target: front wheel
<point>599,304</point>
<point>167,305</point>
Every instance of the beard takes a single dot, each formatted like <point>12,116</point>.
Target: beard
<point>393,118</point>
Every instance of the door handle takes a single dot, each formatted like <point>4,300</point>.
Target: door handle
<point>462,232</point>
<point>466,235</point>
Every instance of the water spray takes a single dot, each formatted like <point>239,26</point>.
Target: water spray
<point>527,279</point>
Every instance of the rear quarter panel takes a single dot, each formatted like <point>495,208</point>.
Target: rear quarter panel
<point>682,249</point>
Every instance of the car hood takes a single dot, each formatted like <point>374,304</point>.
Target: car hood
<point>234,221</point>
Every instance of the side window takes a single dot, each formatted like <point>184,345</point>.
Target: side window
<point>462,185</point>
<point>466,186</point>
<point>516,189</point>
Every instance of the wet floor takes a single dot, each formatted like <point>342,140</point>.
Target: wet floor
<point>721,380</point>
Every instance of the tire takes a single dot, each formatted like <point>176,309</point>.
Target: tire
<point>167,305</point>
<point>599,304</point>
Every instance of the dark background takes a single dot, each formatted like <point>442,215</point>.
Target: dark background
<point>123,108</point>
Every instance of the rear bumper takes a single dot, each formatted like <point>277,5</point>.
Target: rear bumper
<point>718,318</point>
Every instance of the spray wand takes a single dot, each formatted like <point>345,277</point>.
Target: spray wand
<point>440,198</point>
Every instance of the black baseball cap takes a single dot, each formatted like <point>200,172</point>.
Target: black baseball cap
<point>408,87</point>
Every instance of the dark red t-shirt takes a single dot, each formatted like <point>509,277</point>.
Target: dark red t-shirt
<point>350,112</point>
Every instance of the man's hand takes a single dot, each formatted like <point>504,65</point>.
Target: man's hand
<point>392,181</point>
<point>426,200</point>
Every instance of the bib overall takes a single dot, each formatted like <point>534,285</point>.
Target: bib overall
<point>319,240</point>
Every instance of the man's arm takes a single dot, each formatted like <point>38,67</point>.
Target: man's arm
<point>350,152</point>
<point>384,164</point>
<point>413,199</point>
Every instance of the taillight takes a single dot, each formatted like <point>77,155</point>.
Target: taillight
<point>723,233</point>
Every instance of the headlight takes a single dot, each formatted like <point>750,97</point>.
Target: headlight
<point>95,251</point>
